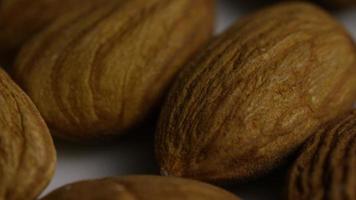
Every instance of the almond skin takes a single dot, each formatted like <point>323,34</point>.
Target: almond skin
<point>256,93</point>
<point>100,72</point>
<point>27,154</point>
<point>21,19</point>
<point>326,168</point>
<point>140,188</point>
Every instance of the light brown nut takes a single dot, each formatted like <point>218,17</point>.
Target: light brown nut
<point>256,93</point>
<point>102,71</point>
<point>21,19</point>
<point>27,154</point>
<point>326,168</point>
<point>140,188</point>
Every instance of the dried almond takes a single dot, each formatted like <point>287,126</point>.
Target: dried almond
<point>326,168</point>
<point>140,188</point>
<point>100,72</point>
<point>27,154</point>
<point>256,93</point>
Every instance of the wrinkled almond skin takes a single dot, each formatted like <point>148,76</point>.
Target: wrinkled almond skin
<point>21,19</point>
<point>140,188</point>
<point>27,154</point>
<point>99,72</point>
<point>326,168</point>
<point>256,94</point>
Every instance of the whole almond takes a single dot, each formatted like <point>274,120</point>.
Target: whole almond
<point>27,154</point>
<point>256,94</point>
<point>140,188</point>
<point>100,72</point>
<point>326,168</point>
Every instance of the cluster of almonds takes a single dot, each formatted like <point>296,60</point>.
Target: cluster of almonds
<point>244,103</point>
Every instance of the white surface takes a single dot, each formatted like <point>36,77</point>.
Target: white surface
<point>134,154</point>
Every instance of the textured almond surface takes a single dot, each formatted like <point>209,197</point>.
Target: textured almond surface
<point>256,93</point>
<point>326,168</point>
<point>27,155</point>
<point>140,188</point>
<point>21,19</point>
<point>101,71</point>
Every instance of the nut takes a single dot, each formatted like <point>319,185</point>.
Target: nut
<point>101,72</point>
<point>27,154</point>
<point>326,168</point>
<point>140,188</point>
<point>256,94</point>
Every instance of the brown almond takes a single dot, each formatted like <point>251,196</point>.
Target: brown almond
<point>100,72</point>
<point>27,154</point>
<point>140,188</point>
<point>326,168</point>
<point>256,93</point>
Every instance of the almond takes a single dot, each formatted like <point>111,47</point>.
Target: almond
<point>326,168</point>
<point>140,188</point>
<point>27,154</point>
<point>256,93</point>
<point>101,72</point>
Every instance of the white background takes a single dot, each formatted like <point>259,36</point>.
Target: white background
<point>134,154</point>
